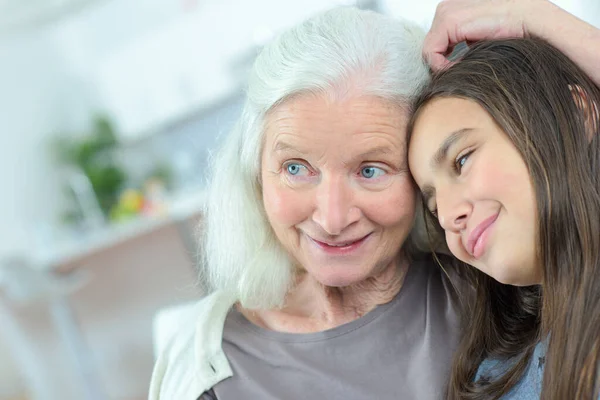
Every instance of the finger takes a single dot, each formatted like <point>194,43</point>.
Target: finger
<point>437,61</point>
<point>436,48</point>
<point>438,38</point>
<point>435,43</point>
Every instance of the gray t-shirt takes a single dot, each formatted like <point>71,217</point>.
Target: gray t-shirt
<point>399,350</point>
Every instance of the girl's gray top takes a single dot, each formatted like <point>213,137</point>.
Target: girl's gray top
<point>400,350</point>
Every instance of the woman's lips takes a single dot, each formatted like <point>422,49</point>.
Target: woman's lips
<point>478,238</point>
<point>340,247</point>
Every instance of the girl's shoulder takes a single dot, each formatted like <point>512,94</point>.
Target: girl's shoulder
<point>530,385</point>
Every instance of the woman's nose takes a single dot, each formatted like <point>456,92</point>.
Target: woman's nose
<point>335,209</point>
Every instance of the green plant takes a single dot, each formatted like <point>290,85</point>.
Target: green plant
<point>93,155</point>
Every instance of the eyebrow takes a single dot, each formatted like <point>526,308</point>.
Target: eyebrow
<point>282,147</point>
<point>442,152</point>
<point>376,151</point>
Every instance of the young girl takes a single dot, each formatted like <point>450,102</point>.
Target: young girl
<point>504,147</point>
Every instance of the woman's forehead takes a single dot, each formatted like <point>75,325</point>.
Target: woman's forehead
<point>317,118</point>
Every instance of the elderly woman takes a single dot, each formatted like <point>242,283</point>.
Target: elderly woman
<point>315,288</point>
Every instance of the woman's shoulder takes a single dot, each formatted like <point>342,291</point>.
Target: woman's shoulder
<point>174,371</point>
<point>190,357</point>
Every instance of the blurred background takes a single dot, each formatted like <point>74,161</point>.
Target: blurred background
<point>109,110</point>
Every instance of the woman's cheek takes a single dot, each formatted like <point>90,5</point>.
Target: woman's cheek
<point>392,205</point>
<point>286,206</point>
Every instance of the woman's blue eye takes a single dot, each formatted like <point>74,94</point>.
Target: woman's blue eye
<point>296,169</point>
<point>371,172</point>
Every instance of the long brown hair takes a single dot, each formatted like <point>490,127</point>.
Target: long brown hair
<point>549,109</point>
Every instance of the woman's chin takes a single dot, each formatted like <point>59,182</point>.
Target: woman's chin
<point>339,276</point>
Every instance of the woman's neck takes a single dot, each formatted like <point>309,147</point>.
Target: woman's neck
<point>312,307</point>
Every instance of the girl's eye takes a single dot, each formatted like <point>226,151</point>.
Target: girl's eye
<point>371,172</point>
<point>296,169</point>
<point>460,161</point>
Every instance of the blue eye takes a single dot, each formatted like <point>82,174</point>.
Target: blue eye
<point>296,169</point>
<point>460,162</point>
<point>371,172</point>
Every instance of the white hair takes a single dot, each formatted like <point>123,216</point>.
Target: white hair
<point>331,53</point>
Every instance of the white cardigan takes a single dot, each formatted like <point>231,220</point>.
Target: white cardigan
<point>193,361</point>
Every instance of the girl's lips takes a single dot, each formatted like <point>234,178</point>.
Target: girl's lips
<point>478,237</point>
<point>340,248</point>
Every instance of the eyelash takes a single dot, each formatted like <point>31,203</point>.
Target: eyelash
<point>456,164</point>
<point>302,164</point>
<point>458,169</point>
<point>286,165</point>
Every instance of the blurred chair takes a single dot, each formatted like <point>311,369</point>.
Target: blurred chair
<point>22,284</point>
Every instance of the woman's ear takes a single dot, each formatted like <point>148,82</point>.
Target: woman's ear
<point>589,109</point>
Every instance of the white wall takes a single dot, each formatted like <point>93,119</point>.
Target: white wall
<point>591,10</point>
<point>44,92</point>
<point>153,73</point>
<point>31,78</point>
<point>423,11</point>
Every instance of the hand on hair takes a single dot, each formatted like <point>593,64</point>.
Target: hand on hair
<point>459,21</point>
